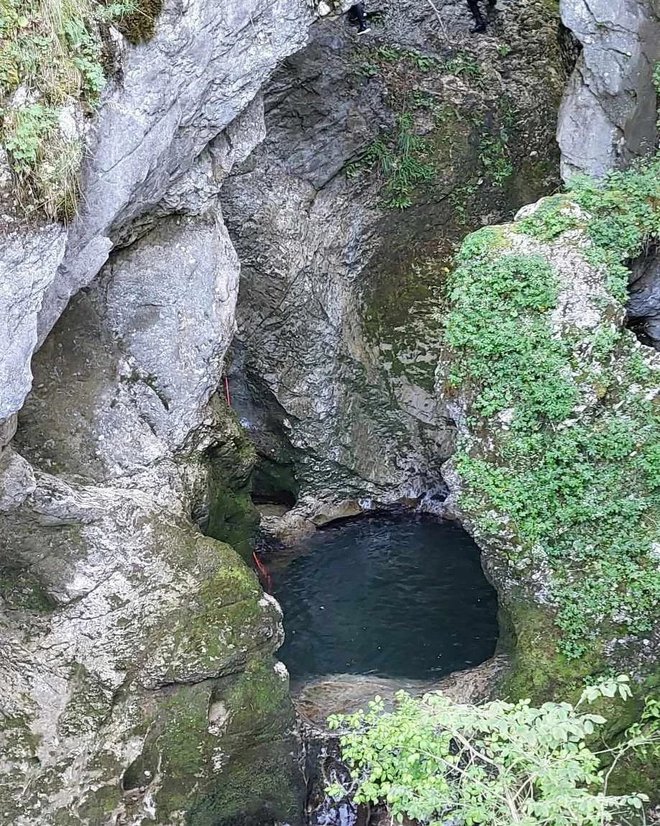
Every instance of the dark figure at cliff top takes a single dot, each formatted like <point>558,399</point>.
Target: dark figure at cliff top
<point>479,19</point>
<point>358,16</point>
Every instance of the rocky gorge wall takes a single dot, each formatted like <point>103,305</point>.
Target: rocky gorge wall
<point>344,249</point>
<point>137,652</point>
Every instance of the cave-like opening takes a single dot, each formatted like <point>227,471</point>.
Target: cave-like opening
<point>387,595</point>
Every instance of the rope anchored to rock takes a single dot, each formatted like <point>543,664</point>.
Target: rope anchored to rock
<point>264,574</point>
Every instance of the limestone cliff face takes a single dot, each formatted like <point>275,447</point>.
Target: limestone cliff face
<point>612,90</point>
<point>136,653</point>
<point>336,332</point>
<point>137,660</point>
<point>608,115</point>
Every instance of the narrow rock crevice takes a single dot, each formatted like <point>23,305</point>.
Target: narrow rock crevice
<point>644,301</point>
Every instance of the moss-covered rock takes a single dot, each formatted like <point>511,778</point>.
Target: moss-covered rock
<point>485,146</point>
<point>557,404</point>
<point>232,517</point>
<point>220,752</point>
<point>138,22</point>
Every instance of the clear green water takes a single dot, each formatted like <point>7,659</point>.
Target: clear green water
<point>390,597</point>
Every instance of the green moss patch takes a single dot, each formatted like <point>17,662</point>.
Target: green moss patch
<point>241,769</point>
<point>570,480</point>
<point>232,516</point>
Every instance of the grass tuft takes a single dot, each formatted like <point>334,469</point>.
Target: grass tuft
<point>51,78</point>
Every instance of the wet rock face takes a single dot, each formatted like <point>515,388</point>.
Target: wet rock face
<point>644,303</point>
<point>337,337</point>
<point>612,88</point>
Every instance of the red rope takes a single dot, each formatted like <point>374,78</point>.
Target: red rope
<point>227,393</point>
<point>266,579</point>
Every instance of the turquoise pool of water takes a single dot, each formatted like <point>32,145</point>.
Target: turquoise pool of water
<point>387,596</point>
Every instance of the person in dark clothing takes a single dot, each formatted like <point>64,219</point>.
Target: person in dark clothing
<point>358,16</point>
<point>479,19</point>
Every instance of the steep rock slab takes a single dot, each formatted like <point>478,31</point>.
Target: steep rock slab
<point>170,98</point>
<point>137,654</point>
<point>335,312</point>
<point>608,115</point>
<point>28,262</point>
<point>163,311</point>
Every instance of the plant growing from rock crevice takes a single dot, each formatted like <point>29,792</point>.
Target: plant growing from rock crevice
<point>52,73</point>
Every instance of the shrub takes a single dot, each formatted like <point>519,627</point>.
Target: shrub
<point>437,761</point>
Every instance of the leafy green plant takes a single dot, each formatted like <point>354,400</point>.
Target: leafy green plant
<point>645,733</point>
<point>29,126</point>
<point>495,158</point>
<point>460,199</point>
<point>433,760</point>
<point>396,54</point>
<point>402,160</point>
<point>463,64</point>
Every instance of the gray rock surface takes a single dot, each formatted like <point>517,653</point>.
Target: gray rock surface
<point>173,96</point>
<point>29,259</point>
<point>139,683</point>
<point>608,115</point>
<point>319,698</point>
<point>336,340</point>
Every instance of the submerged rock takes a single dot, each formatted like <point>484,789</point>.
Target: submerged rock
<point>319,698</point>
